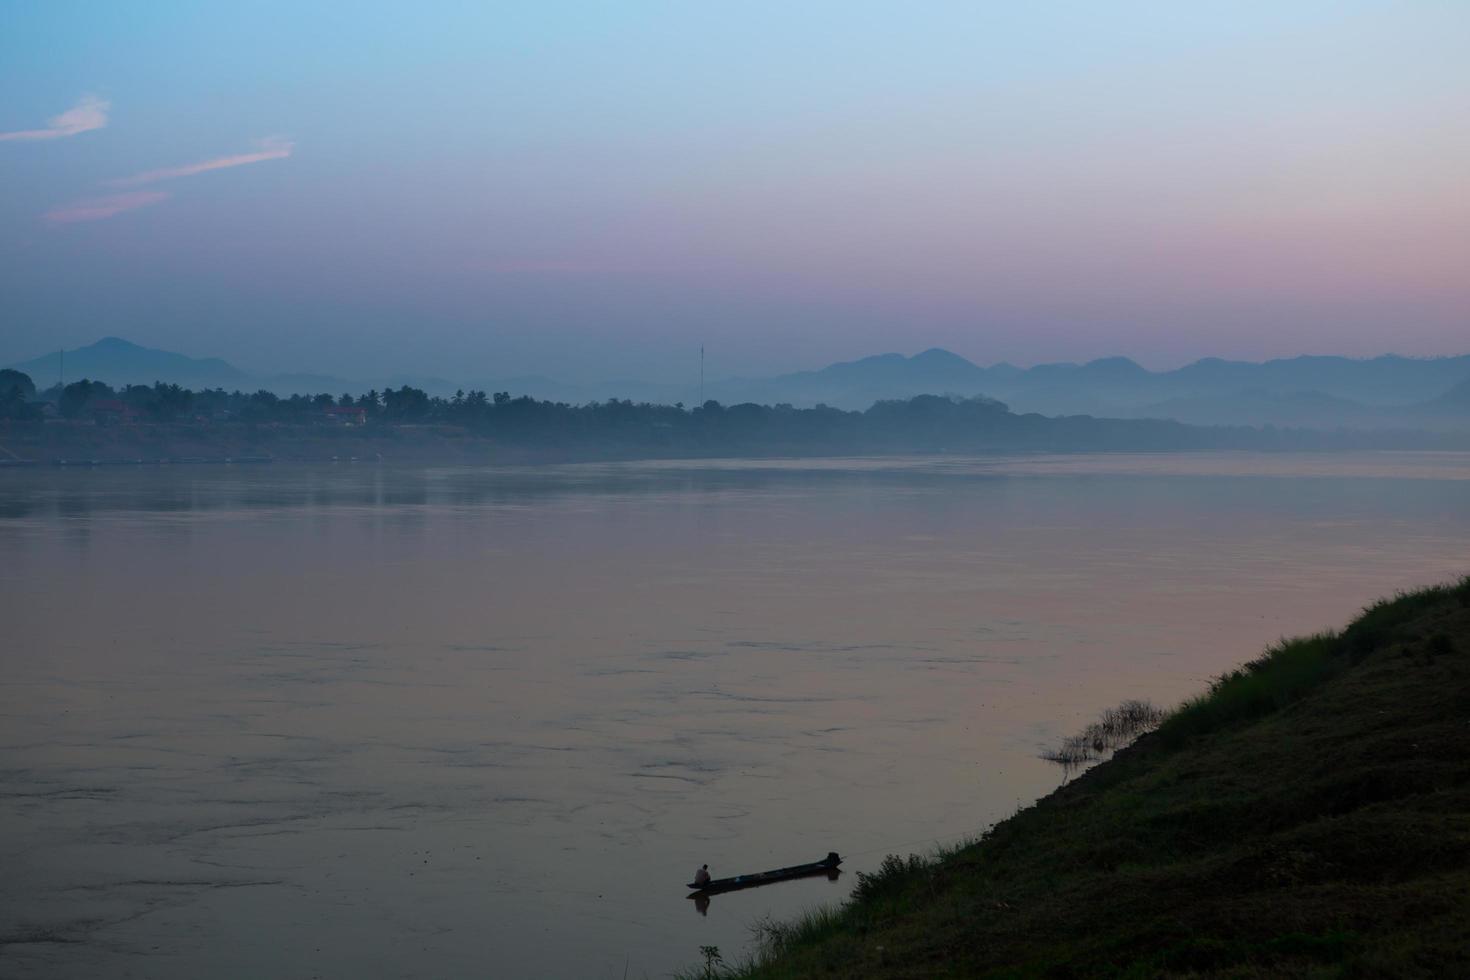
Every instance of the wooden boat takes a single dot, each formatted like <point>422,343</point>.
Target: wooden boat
<point>826,866</point>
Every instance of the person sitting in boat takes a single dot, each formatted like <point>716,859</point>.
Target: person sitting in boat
<point>701,877</point>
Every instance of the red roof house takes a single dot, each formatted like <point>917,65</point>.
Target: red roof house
<point>346,415</point>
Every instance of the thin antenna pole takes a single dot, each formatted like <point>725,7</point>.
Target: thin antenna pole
<point>701,374</point>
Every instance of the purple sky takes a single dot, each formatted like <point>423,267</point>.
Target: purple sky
<point>594,190</point>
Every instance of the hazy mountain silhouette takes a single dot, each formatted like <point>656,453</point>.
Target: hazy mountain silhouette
<point>1324,392</point>
<point>1261,406</point>
<point>1456,401</point>
<point>855,384</point>
<point>119,361</point>
<point>1312,391</point>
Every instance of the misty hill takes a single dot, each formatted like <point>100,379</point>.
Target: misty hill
<point>1318,392</point>
<point>854,384</point>
<point>1050,388</point>
<point>1456,401</point>
<point>1261,406</point>
<point>1387,392</point>
<point>1314,409</point>
<point>119,361</point>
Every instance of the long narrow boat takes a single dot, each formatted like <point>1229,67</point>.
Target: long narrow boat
<point>826,866</point>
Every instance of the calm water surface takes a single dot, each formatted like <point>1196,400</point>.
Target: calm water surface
<point>364,721</point>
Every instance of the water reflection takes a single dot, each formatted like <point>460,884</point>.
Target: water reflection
<point>392,718</point>
<point>41,491</point>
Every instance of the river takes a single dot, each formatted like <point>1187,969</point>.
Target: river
<point>365,720</point>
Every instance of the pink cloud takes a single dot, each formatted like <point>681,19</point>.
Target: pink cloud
<point>549,265</point>
<point>97,208</point>
<point>271,148</point>
<point>583,266</point>
<point>89,113</point>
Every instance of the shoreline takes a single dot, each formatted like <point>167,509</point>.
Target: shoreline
<point>30,445</point>
<point>1308,813</point>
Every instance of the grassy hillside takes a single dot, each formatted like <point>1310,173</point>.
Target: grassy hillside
<point>1308,816</point>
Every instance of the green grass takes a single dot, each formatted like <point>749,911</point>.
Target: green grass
<point>1285,673</point>
<point>1309,815</point>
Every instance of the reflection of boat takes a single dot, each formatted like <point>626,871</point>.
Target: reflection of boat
<point>827,866</point>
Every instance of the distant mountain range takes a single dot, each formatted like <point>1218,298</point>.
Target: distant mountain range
<point>118,361</point>
<point>121,362</point>
<point>1308,392</point>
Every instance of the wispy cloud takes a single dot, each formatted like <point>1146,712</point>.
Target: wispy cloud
<point>97,208</point>
<point>271,148</point>
<point>583,266</point>
<point>89,113</point>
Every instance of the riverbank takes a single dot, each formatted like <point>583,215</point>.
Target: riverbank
<point>523,431</point>
<point>1310,815</point>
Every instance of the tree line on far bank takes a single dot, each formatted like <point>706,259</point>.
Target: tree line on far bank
<point>921,423</point>
<point>161,402</point>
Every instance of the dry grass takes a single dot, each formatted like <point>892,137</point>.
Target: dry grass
<point>1116,728</point>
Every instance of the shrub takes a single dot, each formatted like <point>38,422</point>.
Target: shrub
<point>891,879</point>
<point>1116,728</point>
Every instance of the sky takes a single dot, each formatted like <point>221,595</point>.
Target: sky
<point>593,190</point>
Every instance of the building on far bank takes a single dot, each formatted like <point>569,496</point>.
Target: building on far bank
<point>346,415</point>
